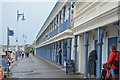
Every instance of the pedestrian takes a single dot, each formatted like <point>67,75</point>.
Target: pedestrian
<point>33,52</point>
<point>92,64</point>
<point>106,75</point>
<point>27,54</point>
<point>113,62</point>
<point>22,54</point>
<point>19,55</point>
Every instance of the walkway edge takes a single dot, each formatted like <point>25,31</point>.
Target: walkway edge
<point>56,66</point>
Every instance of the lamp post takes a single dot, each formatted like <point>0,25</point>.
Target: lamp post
<point>23,18</point>
<point>48,36</point>
<point>24,41</point>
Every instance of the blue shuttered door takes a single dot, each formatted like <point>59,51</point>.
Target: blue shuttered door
<point>111,41</point>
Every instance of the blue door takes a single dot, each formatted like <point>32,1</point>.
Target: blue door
<point>96,48</point>
<point>111,41</point>
<point>95,45</point>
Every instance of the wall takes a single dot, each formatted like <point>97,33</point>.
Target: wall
<point>72,49</point>
<point>1,23</point>
<point>81,52</point>
<point>86,11</point>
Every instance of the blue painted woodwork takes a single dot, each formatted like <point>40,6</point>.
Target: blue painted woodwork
<point>68,49</point>
<point>75,52</point>
<point>86,39</point>
<point>100,42</point>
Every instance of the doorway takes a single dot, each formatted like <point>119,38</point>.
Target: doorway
<point>112,40</point>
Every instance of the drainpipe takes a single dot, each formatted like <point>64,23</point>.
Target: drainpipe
<point>100,43</point>
<point>86,38</point>
<point>75,52</point>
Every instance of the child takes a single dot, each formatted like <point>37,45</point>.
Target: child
<point>106,73</point>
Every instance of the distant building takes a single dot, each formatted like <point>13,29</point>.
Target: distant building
<point>26,46</point>
<point>12,47</point>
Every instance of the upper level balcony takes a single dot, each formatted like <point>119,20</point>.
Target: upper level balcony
<point>57,30</point>
<point>61,28</point>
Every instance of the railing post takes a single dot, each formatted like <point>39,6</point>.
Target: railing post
<point>58,52</point>
<point>75,52</point>
<point>68,49</point>
<point>86,39</point>
<point>100,42</point>
<point>63,52</point>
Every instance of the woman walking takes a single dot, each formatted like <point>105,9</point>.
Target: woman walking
<point>113,62</point>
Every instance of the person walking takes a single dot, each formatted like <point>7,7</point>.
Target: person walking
<point>33,52</point>
<point>27,53</point>
<point>23,54</point>
<point>113,62</point>
<point>92,64</point>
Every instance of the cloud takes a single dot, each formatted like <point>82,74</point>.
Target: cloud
<point>28,0</point>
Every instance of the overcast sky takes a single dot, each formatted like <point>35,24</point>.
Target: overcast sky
<point>35,15</point>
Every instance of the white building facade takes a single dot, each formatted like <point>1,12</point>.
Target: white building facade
<point>96,27</point>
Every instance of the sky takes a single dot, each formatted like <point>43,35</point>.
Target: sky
<point>0,23</point>
<point>35,15</point>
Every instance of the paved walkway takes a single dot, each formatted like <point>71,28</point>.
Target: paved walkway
<point>33,67</point>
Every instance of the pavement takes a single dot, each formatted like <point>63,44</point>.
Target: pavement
<point>33,67</point>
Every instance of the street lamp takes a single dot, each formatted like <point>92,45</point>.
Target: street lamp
<point>24,41</point>
<point>19,15</point>
<point>48,36</point>
<point>23,18</point>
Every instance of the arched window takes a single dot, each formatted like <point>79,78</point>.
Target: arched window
<point>53,25</point>
<point>61,16</point>
<point>55,22</point>
<point>49,28</point>
<point>66,13</point>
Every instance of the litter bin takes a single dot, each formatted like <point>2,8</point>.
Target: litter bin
<point>69,66</point>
